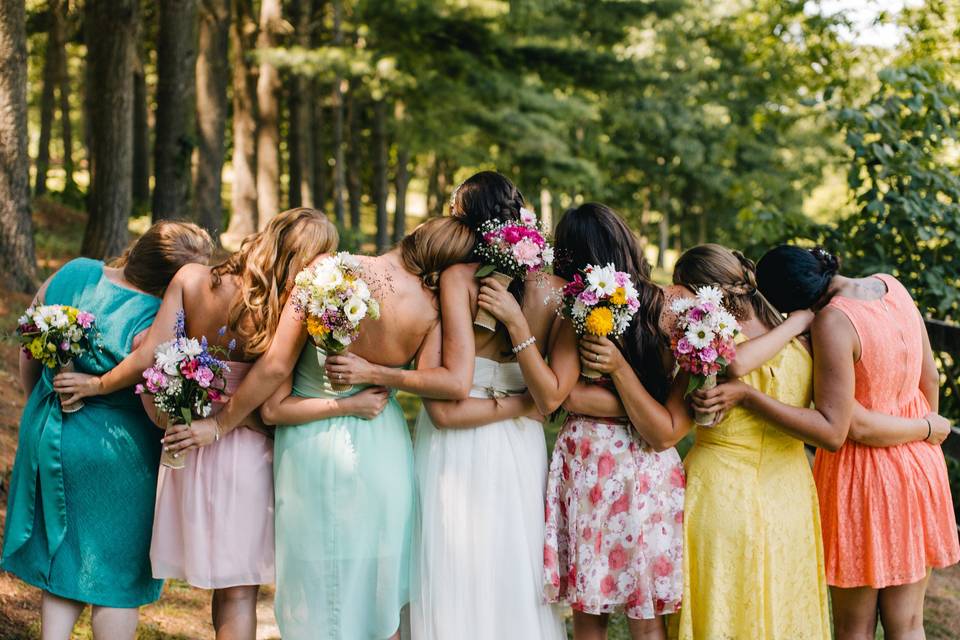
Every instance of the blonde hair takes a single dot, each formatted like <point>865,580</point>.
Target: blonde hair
<point>435,245</point>
<point>733,273</point>
<point>152,260</point>
<point>266,264</point>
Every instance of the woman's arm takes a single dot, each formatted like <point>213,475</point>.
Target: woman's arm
<point>756,352</point>
<point>283,408</point>
<point>876,429</point>
<point>660,426</point>
<point>929,374</point>
<point>477,412</point>
<point>589,399</point>
<point>827,426</point>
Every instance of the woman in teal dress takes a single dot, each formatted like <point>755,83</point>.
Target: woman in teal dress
<point>80,508</point>
<point>344,484</point>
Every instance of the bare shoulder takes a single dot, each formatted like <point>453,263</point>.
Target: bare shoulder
<point>192,275</point>
<point>671,293</point>
<point>459,274</point>
<point>831,325</point>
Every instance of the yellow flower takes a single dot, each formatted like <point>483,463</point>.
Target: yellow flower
<point>599,322</point>
<point>619,296</point>
<point>36,348</point>
<point>315,328</point>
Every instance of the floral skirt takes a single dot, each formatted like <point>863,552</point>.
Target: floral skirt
<point>614,522</point>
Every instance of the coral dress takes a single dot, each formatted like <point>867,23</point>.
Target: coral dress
<point>753,564</point>
<point>614,534</point>
<point>887,512</point>
<point>214,517</point>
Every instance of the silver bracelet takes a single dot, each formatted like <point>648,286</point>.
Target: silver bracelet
<point>523,345</point>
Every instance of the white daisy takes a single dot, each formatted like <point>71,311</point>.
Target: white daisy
<point>602,280</point>
<point>710,294</point>
<point>700,335</point>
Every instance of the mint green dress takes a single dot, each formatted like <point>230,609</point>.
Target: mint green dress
<point>80,508</point>
<point>344,492</point>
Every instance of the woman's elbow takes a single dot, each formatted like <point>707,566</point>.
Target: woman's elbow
<point>833,441</point>
<point>269,414</point>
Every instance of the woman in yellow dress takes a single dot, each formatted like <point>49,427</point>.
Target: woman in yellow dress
<point>753,556</point>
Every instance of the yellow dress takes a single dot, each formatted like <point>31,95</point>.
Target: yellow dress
<point>753,555</point>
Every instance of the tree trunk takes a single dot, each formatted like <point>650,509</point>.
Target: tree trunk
<point>339,170</point>
<point>268,111</point>
<point>51,68</point>
<point>243,218</point>
<point>316,115</point>
<point>299,102</point>
<point>111,28</point>
<point>17,258</point>
<point>141,135</point>
<point>664,234</point>
<point>401,181</point>
<point>354,126</point>
<point>433,188</point>
<point>66,124</point>
<point>176,108</point>
<point>380,184</point>
<point>212,74</point>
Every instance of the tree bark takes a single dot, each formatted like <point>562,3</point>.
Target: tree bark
<point>243,218</point>
<point>354,127</point>
<point>299,100</point>
<point>380,184</point>
<point>268,111</point>
<point>66,124</point>
<point>176,108</point>
<point>339,170</point>
<point>141,135</point>
<point>51,68</point>
<point>664,233</point>
<point>401,181</point>
<point>212,106</point>
<point>17,258</point>
<point>111,28</point>
<point>316,115</point>
<point>433,188</point>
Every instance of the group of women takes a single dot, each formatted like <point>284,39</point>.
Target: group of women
<point>470,532</point>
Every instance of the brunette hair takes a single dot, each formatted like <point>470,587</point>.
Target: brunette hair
<point>593,234</point>
<point>794,278</point>
<point>435,245</point>
<point>730,271</point>
<point>265,265</point>
<point>486,196</point>
<point>154,258</point>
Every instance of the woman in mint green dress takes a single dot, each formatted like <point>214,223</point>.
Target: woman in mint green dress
<point>344,484</point>
<point>80,508</point>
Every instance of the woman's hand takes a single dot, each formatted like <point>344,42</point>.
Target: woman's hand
<point>78,385</point>
<point>349,368</point>
<point>800,321</point>
<point>939,428</point>
<point>368,403</point>
<point>500,303</point>
<point>180,438</point>
<point>721,398</point>
<point>600,354</point>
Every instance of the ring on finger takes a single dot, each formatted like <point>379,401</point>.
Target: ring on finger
<point>596,357</point>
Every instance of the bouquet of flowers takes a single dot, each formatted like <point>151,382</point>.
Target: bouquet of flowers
<point>511,250</point>
<point>54,335</point>
<point>600,301</point>
<point>186,378</point>
<point>334,300</point>
<point>703,341</point>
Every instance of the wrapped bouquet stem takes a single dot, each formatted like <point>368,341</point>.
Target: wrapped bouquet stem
<point>484,319</point>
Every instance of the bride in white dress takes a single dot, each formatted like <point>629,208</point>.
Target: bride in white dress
<point>481,468</point>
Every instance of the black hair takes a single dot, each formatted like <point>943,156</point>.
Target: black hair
<point>594,234</point>
<point>793,278</point>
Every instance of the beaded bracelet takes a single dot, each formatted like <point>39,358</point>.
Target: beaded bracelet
<point>929,428</point>
<point>523,345</point>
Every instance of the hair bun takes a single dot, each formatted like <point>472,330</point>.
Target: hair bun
<point>829,263</point>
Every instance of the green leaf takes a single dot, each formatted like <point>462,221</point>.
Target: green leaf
<point>485,270</point>
<point>187,416</point>
<point>696,381</point>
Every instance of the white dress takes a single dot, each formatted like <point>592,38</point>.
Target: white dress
<point>478,550</point>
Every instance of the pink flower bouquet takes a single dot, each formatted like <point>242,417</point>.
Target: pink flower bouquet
<point>703,341</point>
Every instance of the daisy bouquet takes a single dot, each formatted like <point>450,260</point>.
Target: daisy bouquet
<point>703,341</point>
<point>54,335</point>
<point>334,300</point>
<point>186,378</point>
<point>511,250</point>
<point>600,301</point>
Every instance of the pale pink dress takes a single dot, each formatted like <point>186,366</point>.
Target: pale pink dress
<point>213,526</point>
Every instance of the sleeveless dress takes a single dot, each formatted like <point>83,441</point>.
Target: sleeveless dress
<point>478,548</point>
<point>887,512</point>
<point>214,518</point>
<point>754,559</point>
<point>80,508</point>
<point>614,539</point>
<point>344,516</point>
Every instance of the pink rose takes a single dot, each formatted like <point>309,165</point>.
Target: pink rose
<point>684,347</point>
<point>527,253</point>
<point>204,377</point>
<point>588,297</point>
<point>85,319</point>
<point>708,354</point>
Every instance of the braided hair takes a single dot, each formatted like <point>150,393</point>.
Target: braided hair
<point>795,278</point>
<point>731,272</point>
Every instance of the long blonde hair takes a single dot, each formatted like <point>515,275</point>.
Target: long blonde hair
<point>265,265</point>
<point>152,260</point>
<point>435,245</point>
<point>730,271</point>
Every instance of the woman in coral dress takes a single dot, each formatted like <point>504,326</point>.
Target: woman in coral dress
<point>885,501</point>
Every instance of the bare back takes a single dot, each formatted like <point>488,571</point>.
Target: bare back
<point>207,307</point>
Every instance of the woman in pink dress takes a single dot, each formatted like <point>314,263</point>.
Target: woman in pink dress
<point>614,533</point>
<point>213,526</point>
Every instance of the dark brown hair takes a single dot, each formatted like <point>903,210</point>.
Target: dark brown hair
<point>435,245</point>
<point>155,257</point>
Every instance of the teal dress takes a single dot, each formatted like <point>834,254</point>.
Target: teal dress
<point>80,509</point>
<point>344,492</point>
